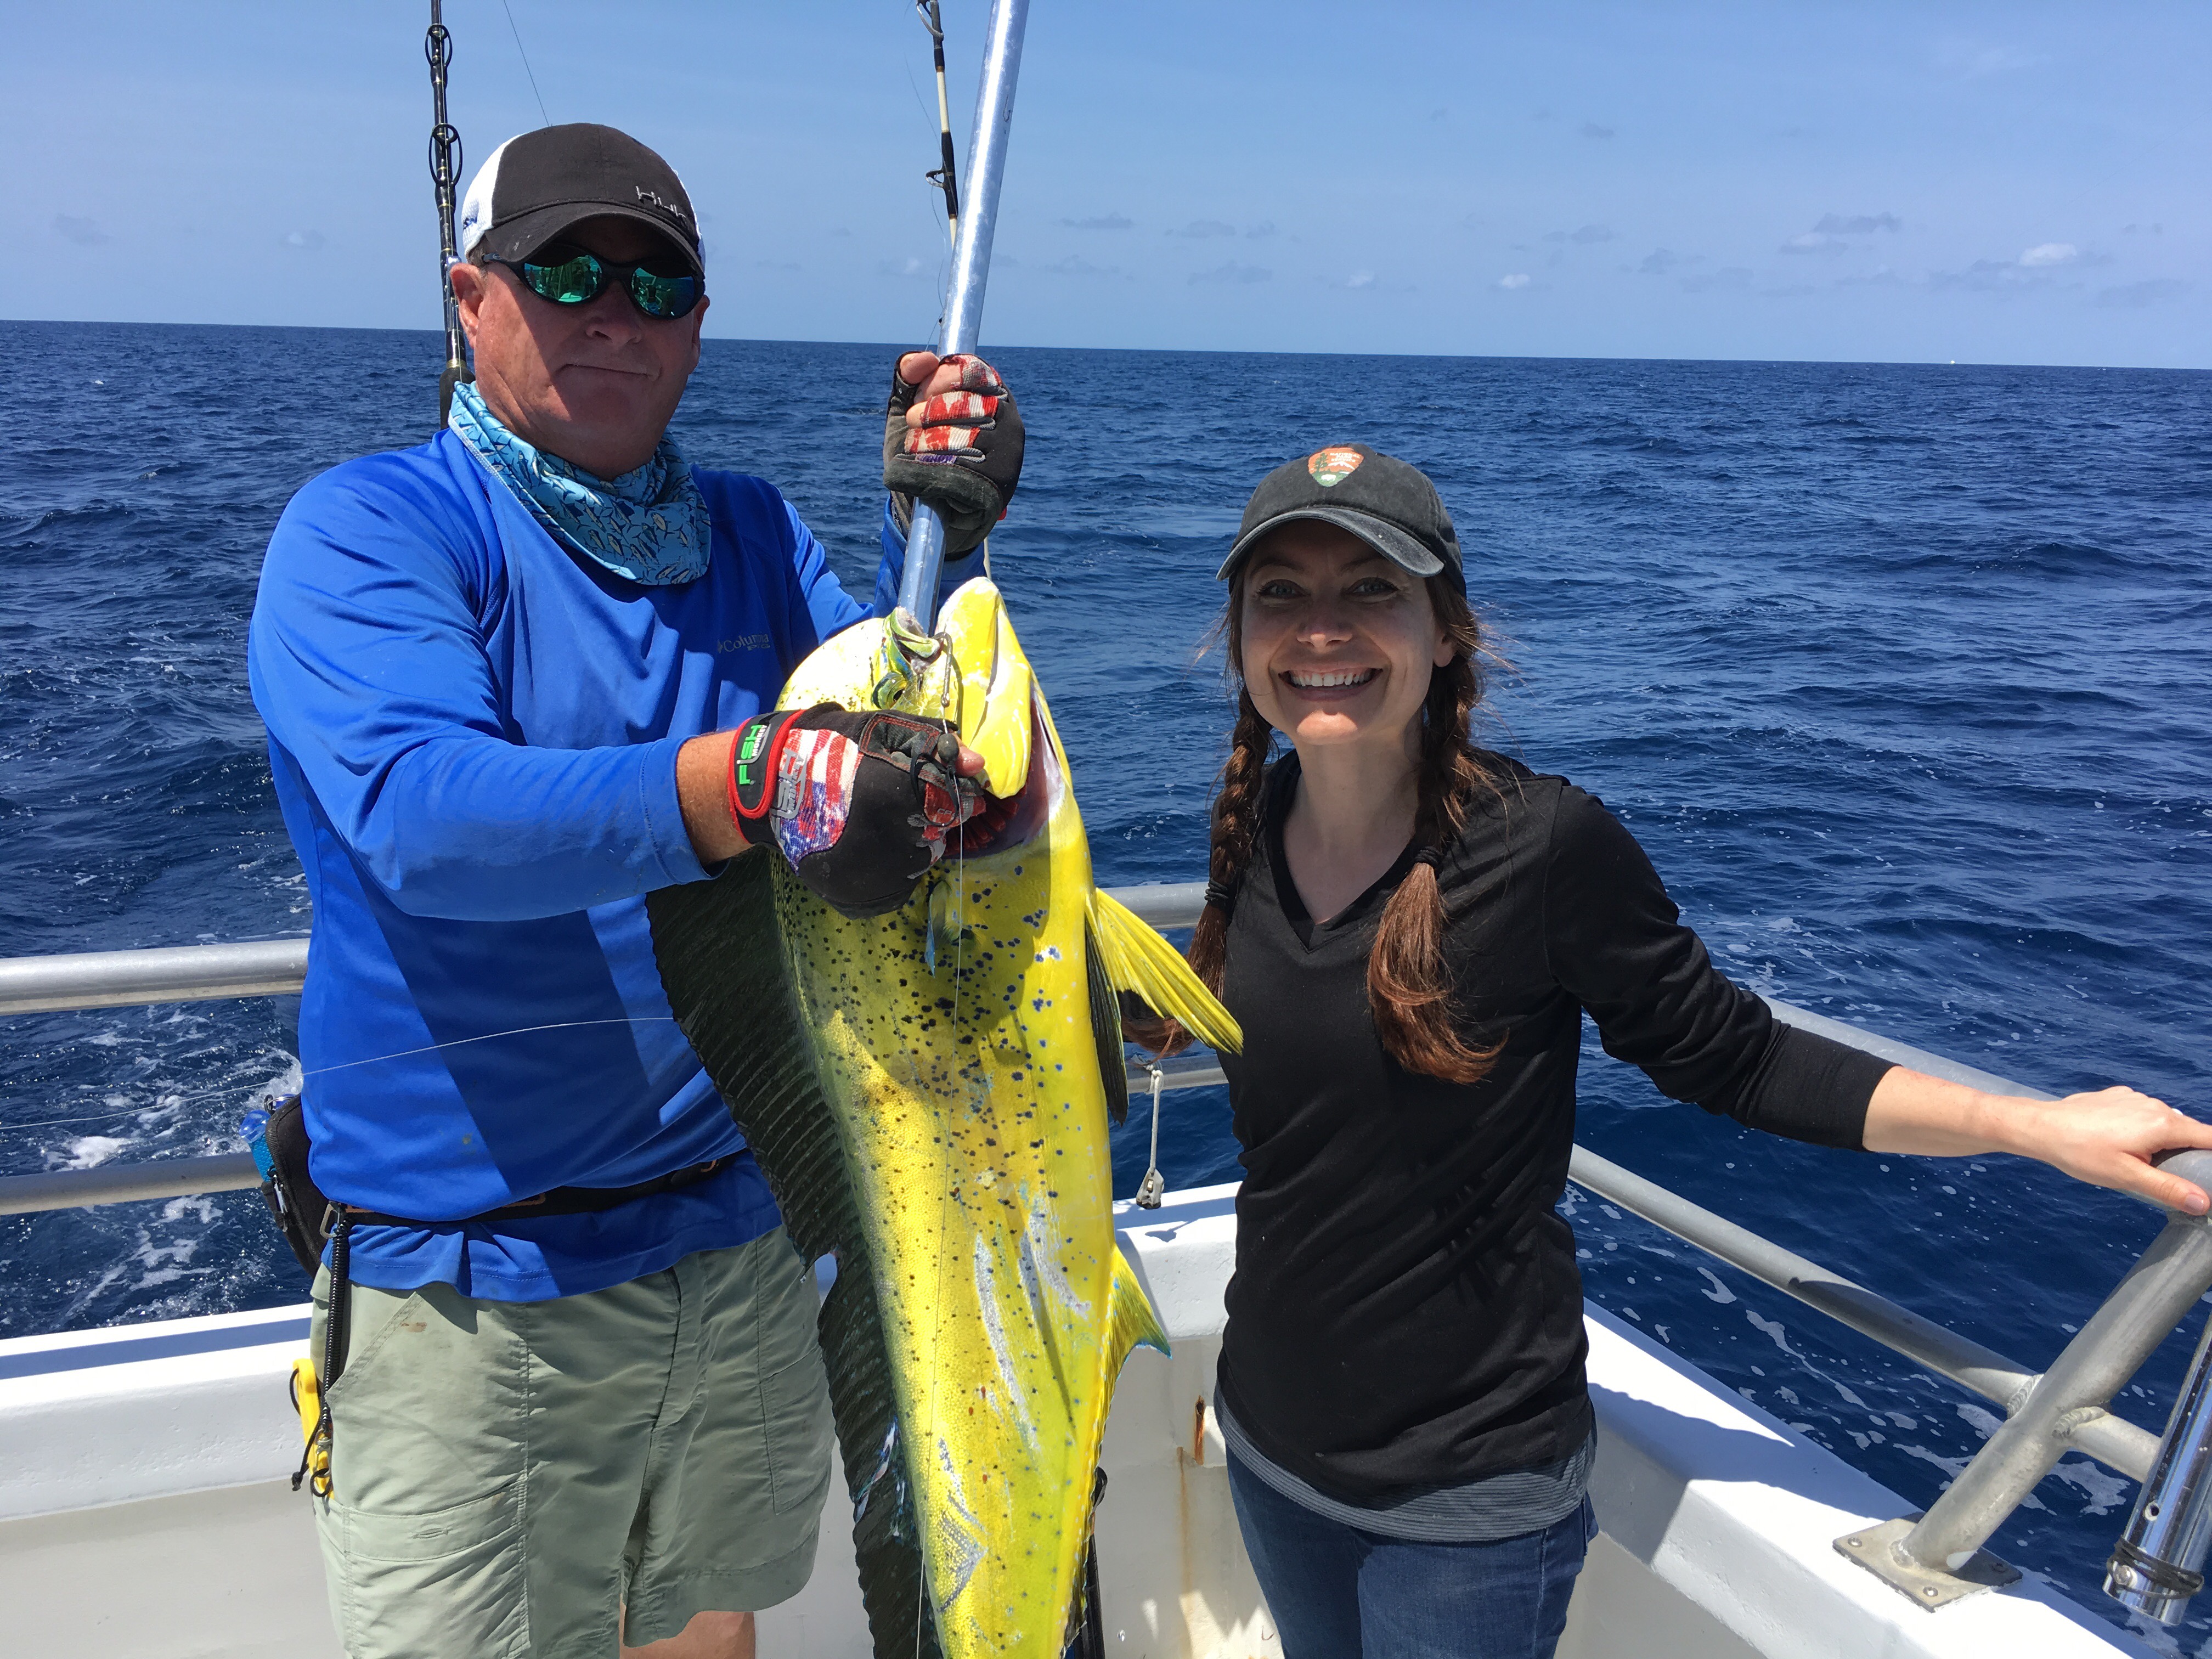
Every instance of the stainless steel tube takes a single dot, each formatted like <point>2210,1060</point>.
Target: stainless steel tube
<point>126,1184</point>
<point>2156,1294</point>
<point>2159,1563</point>
<point>2110,1440</point>
<point>971,265</point>
<point>121,979</point>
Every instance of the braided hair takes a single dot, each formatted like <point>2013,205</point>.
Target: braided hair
<point>1408,981</point>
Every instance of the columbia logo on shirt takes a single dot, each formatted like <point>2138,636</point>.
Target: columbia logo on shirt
<point>747,642</point>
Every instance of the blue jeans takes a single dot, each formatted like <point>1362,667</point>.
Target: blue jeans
<point>1339,1593</point>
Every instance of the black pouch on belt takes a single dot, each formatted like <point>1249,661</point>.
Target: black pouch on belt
<point>303,1214</point>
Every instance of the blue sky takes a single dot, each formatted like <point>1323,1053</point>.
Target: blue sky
<point>2017,183</point>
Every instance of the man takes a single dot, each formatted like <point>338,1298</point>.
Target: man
<point>579,1398</point>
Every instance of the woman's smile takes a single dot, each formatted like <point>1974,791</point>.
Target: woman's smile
<point>1329,685</point>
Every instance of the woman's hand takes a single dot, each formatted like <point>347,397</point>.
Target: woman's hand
<point>2107,1137</point>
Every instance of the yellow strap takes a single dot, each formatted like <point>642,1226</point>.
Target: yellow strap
<point>308,1396</point>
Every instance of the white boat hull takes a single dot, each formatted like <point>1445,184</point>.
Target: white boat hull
<point>146,1510</point>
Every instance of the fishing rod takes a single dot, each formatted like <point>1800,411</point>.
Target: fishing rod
<point>444,171</point>
<point>971,267</point>
<point>945,177</point>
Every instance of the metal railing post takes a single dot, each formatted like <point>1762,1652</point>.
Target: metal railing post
<point>1937,1558</point>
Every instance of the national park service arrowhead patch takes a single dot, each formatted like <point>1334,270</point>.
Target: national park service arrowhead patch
<point>1331,467</point>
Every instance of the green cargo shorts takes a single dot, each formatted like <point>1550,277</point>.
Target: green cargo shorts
<point>506,1475</point>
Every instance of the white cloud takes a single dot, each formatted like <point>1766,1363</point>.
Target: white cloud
<point>1076,265</point>
<point>1705,281</point>
<point>1201,228</point>
<point>2134,296</point>
<point>2000,60</point>
<point>1585,234</point>
<point>1517,279</point>
<point>1814,242</point>
<point>1857,224</point>
<point>2050,253</point>
<point>1360,279</point>
<point>305,239</point>
<point>1233,272</point>
<point>1102,221</point>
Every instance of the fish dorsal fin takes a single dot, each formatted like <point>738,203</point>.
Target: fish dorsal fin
<point>1132,1321</point>
<point>997,688</point>
<point>1138,959</point>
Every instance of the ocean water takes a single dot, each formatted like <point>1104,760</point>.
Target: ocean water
<point>1899,672</point>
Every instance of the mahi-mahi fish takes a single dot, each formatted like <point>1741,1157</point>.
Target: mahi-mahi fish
<point>928,1092</point>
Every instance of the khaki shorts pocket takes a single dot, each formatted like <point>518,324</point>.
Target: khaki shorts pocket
<point>794,1386</point>
<point>445,1582</point>
<point>795,1408</point>
<point>434,1535</point>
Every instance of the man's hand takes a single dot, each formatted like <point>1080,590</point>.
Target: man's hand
<point>953,439</point>
<point>858,803</point>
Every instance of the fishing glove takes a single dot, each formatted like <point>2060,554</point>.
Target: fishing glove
<point>962,455</point>
<point>861,803</point>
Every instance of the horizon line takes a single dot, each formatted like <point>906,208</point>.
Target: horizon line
<point>438,335</point>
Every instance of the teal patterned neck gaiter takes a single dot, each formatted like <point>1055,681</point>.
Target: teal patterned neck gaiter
<point>650,524</point>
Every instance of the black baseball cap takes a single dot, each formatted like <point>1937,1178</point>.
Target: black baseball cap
<point>539,184</point>
<point>1390,506</point>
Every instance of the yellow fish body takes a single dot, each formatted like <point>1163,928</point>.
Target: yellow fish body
<point>963,1054</point>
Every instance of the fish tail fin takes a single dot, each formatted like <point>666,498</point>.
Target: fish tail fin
<point>1138,959</point>
<point>1132,1321</point>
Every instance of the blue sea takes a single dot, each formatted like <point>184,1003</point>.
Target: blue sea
<point>1899,672</point>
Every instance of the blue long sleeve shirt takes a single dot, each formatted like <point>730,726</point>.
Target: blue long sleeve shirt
<point>473,737</point>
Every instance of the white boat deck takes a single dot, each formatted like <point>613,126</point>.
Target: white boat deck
<point>145,1508</point>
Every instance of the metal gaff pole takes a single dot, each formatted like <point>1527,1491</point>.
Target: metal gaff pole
<point>444,173</point>
<point>971,269</point>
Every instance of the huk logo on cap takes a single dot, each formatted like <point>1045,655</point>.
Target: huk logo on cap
<point>1331,467</point>
<point>662,202</point>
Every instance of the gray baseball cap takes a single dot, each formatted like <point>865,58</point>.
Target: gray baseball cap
<point>1387,504</point>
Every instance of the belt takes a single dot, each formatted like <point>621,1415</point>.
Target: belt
<point>562,1201</point>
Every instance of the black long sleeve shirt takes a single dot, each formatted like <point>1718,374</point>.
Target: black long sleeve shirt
<point>1406,1312</point>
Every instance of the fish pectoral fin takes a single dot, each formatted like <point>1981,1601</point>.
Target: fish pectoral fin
<point>1133,1323</point>
<point>997,687</point>
<point>1136,958</point>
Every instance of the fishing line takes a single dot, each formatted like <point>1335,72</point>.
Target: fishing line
<point>546,120</point>
<point>945,1173</point>
<point>342,1066</point>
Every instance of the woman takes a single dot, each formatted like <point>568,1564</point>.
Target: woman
<point>1410,930</point>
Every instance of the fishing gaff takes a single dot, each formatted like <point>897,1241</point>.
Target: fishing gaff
<point>972,270</point>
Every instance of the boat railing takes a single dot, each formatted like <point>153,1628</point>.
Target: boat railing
<point>1934,1559</point>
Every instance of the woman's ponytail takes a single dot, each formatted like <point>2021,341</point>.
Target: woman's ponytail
<point>1409,981</point>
